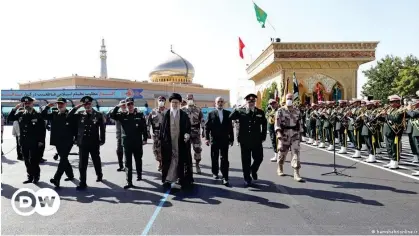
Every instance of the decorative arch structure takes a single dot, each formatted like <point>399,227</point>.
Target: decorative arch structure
<point>333,64</point>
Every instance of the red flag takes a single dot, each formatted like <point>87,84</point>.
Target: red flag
<point>241,46</point>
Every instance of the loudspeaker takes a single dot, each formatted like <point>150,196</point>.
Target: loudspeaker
<point>370,98</point>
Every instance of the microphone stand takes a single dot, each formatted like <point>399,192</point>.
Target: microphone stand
<point>335,171</point>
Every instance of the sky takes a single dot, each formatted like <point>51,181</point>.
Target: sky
<point>46,39</point>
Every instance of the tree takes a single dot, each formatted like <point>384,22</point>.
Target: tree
<point>407,81</point>
<point>381,78</point>
<point>268,94</point>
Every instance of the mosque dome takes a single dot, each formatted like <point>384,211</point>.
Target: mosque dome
<point>175,69</point>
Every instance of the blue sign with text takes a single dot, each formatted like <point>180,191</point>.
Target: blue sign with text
<point>72,93</point>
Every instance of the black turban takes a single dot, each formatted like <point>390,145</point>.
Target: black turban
<point>175,96</point>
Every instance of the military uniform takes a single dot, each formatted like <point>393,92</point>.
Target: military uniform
<point>412,139</point>
<point>287,127</point>
<point>90,136</point>
<point>135,133</point>
<point>119,147</point>
<point>342,126</point>
<point>252,133</point>
<point>155,119</point>
<point>393,130</point>
<point>32,138</point>
<point>368,132</point>
<point>414,120</point>
<point>270,116</point>
<point>197,122</point>
<point>62,137</point>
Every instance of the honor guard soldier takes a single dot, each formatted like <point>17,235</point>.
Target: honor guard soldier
<point>155,120</point>
<point>32,136</point>
<point>119,132</point>
<point>342,126</point>
<point>393,119</point>
<point>287,128</point>
<point>413,114</point>
<point>62,137</point>
<point>90,136</point>
<point>368,132</point>
<point>270,116</point>
<point>409,131</point>
<point>197,123</point>
<point>252,134</point>
<point>134,137</point>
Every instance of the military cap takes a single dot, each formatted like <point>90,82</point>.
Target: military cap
<point>394,98</point>
<point>26,99</point>
<point>250,96</point>
<point>129,99</point>
<point>272,101</point>
<point>356,100</point>
<point>363,101</point>
<point>369,103</point>
<point>342,101</point>
<point>122,102</point>
<point>86,99</point>
<point>162,98</point>
<point>61,100</point>
<point>175,96</point>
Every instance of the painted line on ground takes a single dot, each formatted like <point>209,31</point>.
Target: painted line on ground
<point>157,211</point>
<point>365,163</point>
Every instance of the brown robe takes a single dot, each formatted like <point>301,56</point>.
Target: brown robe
<point>184,163</point>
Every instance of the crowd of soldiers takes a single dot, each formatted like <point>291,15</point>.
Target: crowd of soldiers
<point>366,124</point>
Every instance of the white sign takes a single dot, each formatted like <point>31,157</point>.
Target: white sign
<point>45,202</point>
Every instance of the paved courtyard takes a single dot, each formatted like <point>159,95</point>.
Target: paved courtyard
<point>371,200</point>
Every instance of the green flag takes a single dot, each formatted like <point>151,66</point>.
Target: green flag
<point>260,15</point>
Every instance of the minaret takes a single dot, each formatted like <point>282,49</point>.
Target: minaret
<point>103,67</point>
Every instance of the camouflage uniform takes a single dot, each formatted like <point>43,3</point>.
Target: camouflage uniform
<point>287,128</point>
<point>155,118</point>
<point>197,122</point>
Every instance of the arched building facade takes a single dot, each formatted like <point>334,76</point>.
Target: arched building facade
<point>323,70</point>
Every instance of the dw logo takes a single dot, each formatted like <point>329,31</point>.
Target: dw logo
<point>45,202</point>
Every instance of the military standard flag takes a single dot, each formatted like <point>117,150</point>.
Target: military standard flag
<point>241,47</point>
<point>260,15</point>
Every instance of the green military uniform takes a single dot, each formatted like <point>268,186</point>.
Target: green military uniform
<point>368,132</point>
<point>412,141</point>
<point>252,133</point>
<point>270,116</point>
<point>414,121</point>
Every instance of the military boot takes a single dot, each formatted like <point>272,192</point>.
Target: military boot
<point>297,176</point>
<point>280,170</point>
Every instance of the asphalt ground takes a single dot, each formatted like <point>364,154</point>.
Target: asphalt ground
<point>371,201</point>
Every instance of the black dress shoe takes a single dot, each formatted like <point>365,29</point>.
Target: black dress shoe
<point>248,183</point>
<point>81,187</point>
<point>139,178</point>
<point>226,183</point>
<point>55,183</point>
<point>99,178</point>
<point>36,180</point>
<point>28,181</point>
<point>20,158</point>
<point>55,156</point>
<point>128,185</point>
<point>120,169</point>
<point>255,176</point>
<point>69,179</point>
<point>215,176</point>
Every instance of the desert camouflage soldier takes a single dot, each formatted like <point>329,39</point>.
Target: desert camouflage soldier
<point>197,122</point>
<point>155,118</point>
<point>287,128</point>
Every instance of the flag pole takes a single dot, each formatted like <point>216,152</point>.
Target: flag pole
<point>271,26</point>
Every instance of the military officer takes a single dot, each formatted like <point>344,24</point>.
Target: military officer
<point>119,132</point>
<point>134,137</point>
<point>62,137</point>
<point>409,131</point>
<point>270,116</point>
<point>32,136</point>
<point>252,133</point>
<point>197,122</point>
<point>155,120</point>
<point>90,136</point>
<point>393,129</point>
<point>287,127</point>
<point>319,125</point>
<point>413,114</point>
